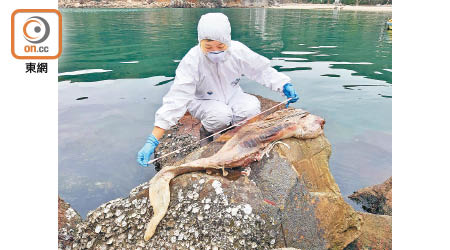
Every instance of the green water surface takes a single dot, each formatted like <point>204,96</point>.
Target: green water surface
<point>124,61</point>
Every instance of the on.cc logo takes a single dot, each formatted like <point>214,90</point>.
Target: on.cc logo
<point>36,29</point>
<point>36,34</point>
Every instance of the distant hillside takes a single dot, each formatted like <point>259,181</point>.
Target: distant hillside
<point>347,2</point>
<point>201,3</point>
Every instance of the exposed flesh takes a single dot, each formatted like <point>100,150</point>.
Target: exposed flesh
<point>246,145</point>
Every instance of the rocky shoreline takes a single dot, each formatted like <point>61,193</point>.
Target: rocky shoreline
<point>164,3</point>
<point>68,219</point>
<point>289,199</point>
<point>212,4</point>
<point>371,8</point>
<point>376,199</point>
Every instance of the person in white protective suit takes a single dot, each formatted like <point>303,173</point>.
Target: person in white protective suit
<point>207,84</point>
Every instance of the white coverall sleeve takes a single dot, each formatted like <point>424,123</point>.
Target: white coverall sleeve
<point>181,92</point>
<point>257,68</point>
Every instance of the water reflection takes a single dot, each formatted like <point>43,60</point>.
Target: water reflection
<point>84,71</point>
<point>331,75</point>
<point>321,47</point>
<point>284,69</point>
<point>298,52</point>
<point>155,37</point>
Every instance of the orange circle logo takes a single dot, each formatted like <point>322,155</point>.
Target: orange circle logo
<point>36,29</point>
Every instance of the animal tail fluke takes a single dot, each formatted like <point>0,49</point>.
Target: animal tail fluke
<point>159,194</point>
<point>159,197</point>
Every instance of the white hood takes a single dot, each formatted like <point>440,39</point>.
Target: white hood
<point>214,26</point>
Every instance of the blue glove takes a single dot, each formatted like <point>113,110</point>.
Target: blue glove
<point>289,92</point>
<point>147,150</point>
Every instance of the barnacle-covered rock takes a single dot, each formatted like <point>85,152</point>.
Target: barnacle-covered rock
<point>68,219</point>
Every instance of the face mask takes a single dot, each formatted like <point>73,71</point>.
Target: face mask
<point>216,56</point>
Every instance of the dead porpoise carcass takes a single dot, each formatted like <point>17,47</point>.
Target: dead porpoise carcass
<point>243,145</point>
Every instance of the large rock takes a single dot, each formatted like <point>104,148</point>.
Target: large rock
<point>289,199</point>
<point>206,212</point>
<point>296,178</point>
<point>375,199</point>
<point>376,233</point>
